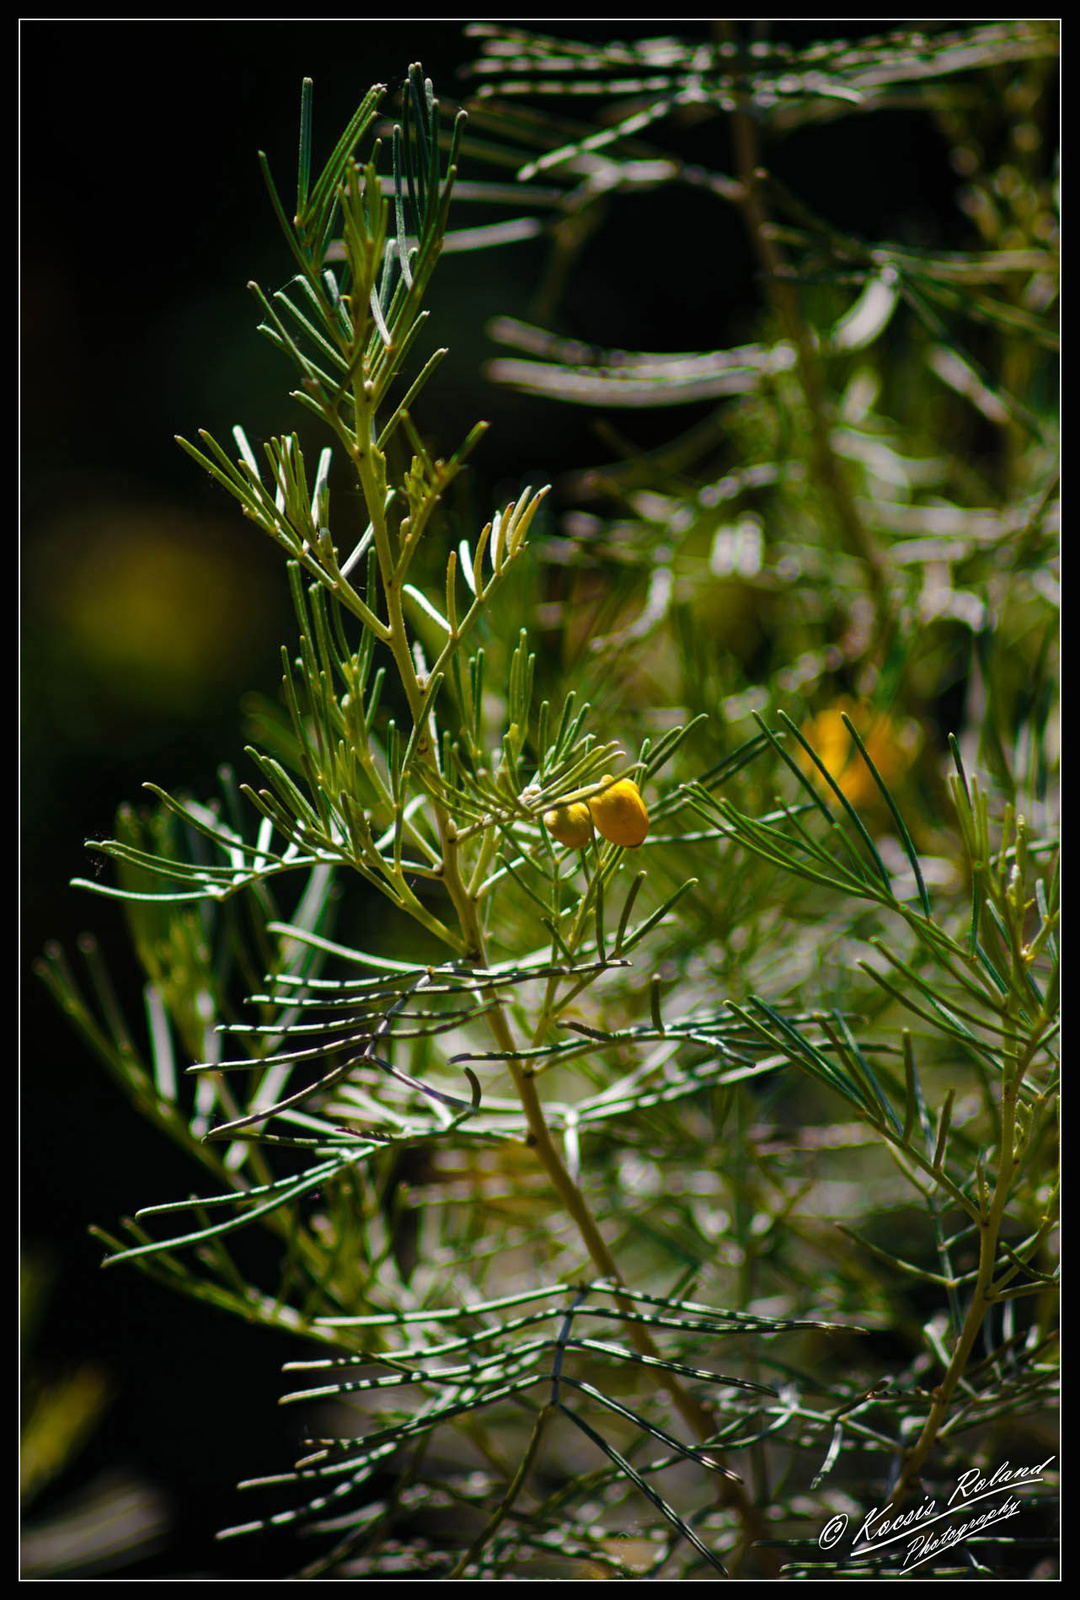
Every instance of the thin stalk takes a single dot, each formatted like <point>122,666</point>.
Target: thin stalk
<point>990,1219</point>
<point>517,1483</point>
<point>780,286</point>
<point>696,1417</point>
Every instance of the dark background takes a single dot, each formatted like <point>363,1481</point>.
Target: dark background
<point>149,607</point>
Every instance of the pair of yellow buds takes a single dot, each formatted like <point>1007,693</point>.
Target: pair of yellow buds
<point>618,812</point>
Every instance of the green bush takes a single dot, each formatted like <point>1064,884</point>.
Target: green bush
<point>640,1209</point>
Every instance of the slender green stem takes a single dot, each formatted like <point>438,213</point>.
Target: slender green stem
<point>781,289</point>
<point>696,1416</point>
<point>990,1220</point>
<point>517,1483</point>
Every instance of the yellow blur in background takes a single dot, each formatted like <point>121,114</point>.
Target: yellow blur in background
<point>891,743</point>
<point>157,605</point>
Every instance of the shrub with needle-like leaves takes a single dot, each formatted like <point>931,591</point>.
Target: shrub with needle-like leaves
<point>615,1074</point>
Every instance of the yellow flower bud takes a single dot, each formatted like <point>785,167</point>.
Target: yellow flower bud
<point>570,824</point>
<point>619,813</point>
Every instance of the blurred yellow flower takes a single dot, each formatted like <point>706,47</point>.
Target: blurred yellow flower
<point>892,746</point>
